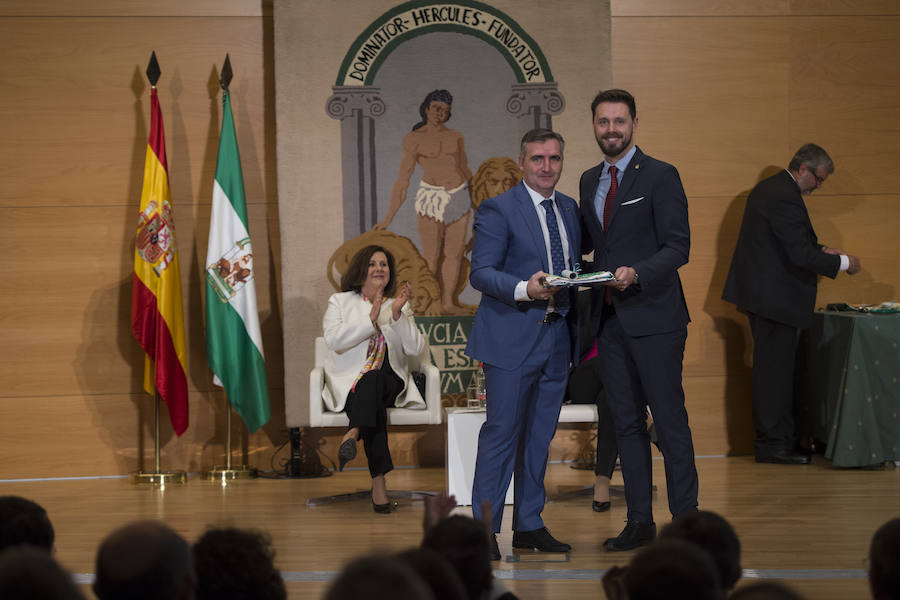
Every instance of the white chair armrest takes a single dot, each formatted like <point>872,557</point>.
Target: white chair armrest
<point>578,413</point>
<point>316,404</point>
<point>433,394</point>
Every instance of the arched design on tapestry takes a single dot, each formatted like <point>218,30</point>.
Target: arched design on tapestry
<point>357,104</point>
<point>420,17</point>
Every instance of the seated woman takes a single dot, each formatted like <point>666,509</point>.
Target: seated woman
<point>370,332</point>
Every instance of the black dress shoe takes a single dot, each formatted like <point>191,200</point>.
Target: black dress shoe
<point>633,536</point>
<point>600,506</point>
<point>783,457</point>
<point>540,540</point>
<point>495,548</point>
<point>383,509</point>
<point>346,453</point>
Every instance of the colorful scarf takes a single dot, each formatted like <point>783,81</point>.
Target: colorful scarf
<point>374,355</point>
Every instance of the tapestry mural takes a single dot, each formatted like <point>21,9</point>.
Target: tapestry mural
<point>432,99</point>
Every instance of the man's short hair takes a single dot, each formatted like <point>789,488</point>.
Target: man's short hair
<point>712,533</point>
<point>233,563</point>
<point>30,572</point>
<point>813,156</point>
<point>463,542</point>
<point>614,95</point>
<point>884,561</point>
<point>765,590</point>
<point>144,560</point>
<point>23,521</point>
<point>378,578</point>
<point>540,135</point>
<point>672,569</point>
<point>441,577</point>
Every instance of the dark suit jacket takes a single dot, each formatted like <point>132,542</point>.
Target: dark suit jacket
<point>509,248</point>
<point>649,231</point>
<point>778,258</point>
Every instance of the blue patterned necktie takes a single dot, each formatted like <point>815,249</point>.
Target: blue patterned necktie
<point>561,298</point>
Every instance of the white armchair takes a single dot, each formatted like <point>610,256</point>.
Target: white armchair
<point>320,416</point>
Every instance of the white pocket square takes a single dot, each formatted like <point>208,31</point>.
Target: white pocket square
<point>632,201</point>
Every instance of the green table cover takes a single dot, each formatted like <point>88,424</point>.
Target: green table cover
<point>849,386</point>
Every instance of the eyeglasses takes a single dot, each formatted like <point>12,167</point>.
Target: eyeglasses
<point>819,180</point>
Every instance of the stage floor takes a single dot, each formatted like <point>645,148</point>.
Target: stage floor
<point>807,525</point>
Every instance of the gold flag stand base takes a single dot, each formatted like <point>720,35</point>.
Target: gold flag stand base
<point>162,478</point>
<point>218,473</point>
<point>158,476</point>
<point>229,472</point>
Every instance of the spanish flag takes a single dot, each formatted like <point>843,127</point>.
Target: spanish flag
<point>156,309</point>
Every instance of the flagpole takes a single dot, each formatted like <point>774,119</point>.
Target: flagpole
<point>219,473</point>
<point>157,476</point>
<point>156,429</point>
<point>225,473</point>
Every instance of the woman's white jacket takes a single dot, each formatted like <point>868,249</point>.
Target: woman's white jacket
<point>347,331</point>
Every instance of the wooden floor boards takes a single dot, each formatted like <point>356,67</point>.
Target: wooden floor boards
<point>810,525</point>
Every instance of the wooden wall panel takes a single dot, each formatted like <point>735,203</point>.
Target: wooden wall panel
<point>728,100</point>
<point>845,7</point>
<point>112,434</point>
<point>136,8</point>
<point>75,111</point>
<point>844,96</point>
<point>69,324</point>
<point>711,95</point>
<point>743,8</point>
<point>694,8</point>
<point>865,226</point>
<point>76,107</point>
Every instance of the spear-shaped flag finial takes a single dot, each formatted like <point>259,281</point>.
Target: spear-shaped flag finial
<point>225,78</point>
<point>153,71</point>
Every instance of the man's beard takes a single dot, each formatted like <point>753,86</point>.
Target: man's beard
<point>614,151</point>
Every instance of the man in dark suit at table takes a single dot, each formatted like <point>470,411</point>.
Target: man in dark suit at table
<point>773,277</point>
<point>635,216</point>
<point>524,333</point>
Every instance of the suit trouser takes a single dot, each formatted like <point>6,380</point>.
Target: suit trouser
<point>366,408</point>
<point>522,412</point>
<point>774,352</point>
<point>642,371</point>
<point>586,387</point>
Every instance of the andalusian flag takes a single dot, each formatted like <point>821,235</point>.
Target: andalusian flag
<point>156,309</point>
<point>233,341</point>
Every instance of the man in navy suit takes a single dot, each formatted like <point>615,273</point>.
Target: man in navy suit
<point>773,278</point>
<point>636,221</point>
<point>524,333</point>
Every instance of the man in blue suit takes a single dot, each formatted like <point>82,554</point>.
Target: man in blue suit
<point>636,222</point>
<point>524,333</point>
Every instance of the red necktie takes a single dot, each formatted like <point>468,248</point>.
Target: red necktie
<point>610,196</point>
<point>607,210</point>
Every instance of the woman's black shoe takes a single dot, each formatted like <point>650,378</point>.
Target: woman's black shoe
<point>346,453</point>
<point>600,506</point>
<point>382,508</point>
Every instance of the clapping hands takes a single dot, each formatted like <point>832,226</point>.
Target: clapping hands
<point>377,301</point>
<point>401,299</point>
